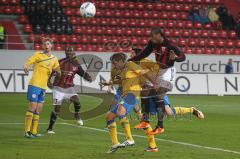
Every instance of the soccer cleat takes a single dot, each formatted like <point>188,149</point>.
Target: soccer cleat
<point>149,149</point>
<point>128,143</point>
<point>115,147</point>
<point>37,135</point>
<point>156,131</point>
<point>142,125</point>
<point>80,122</point>
<point>197,113</point>
<point>28,135</point>
<point>49,131</point>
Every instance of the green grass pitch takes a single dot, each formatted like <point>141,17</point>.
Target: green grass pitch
<point>215,137</point>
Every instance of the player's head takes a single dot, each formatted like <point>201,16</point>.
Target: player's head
<point>157,36</point>
<point>135,51</point>
<point>69,52</point>
<point>229,61</point>
<point>47,44</point>
<point>118,60</point>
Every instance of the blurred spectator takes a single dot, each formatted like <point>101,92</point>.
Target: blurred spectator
<point>225,18</point>
<point>212,15</point>
<point>2,37</point>
<point>199,15</point>
<point>229,67</point>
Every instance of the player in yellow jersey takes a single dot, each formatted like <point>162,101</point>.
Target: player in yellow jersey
<point>126,100</point>
<point>43,63</point>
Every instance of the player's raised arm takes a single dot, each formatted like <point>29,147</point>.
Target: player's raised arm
<point>145,53</point>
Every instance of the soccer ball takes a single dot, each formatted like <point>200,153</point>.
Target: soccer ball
<point>88,10</point>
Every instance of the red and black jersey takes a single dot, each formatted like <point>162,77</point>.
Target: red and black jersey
<point>69,69</point>
<point>162,53</point>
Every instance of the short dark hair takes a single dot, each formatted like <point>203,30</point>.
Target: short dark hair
<point>137,50</point>
<point>69,47</point>
<point>118,56</point>
<point>156,30</point>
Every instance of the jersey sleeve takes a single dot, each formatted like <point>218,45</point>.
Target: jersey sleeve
<point>56,64</point>
<point>31,60</point>
<point>146,52</point>
<point>134,67</point>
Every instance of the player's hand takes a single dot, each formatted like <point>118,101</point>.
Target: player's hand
<point>172,56</point>
<point>25,68</point>
<point>110,90</point>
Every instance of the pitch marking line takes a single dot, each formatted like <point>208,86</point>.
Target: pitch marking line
<point>140,136</point>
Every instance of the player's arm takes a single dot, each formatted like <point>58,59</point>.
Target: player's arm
<point>29,62</point>
<point>176,54</point>
<point>84,74</point>
<point>57,70</point>
<point>145,53</point>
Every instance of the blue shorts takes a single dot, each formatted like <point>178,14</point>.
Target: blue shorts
<point>35,94</point>
<point>152,105</point>
<point>128,102</point>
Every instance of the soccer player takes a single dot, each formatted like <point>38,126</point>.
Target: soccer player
<point>63,88</point>
<point>169,110</point>
<point>43,64</point>
<point>126,101</point>
<point>166,54</point>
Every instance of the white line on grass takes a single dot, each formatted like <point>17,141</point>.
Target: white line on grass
<point>165,140</point>
<point>140,136</point>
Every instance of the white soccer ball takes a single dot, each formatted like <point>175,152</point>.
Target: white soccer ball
<point>88,10</point>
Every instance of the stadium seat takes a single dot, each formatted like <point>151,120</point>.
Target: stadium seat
<point>27,28</point>
<point>230,43</point>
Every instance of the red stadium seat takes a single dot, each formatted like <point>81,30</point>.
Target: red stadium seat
<point>192,42</point>
<point>198,51</point>
<point>236,51</point>
<point>232,34</point>
<point>220,43</point>
<point>227,51</point>
<point>182,42</point>
<point>189,24</point>
<point>27,28</point>
<point>202,42</point>
<point>214,34</point>
<point>211,43</point>
<point>238,43</point>
<point>186,33</point>
<point>23,19</point>
<point>218,51</point>
<point>73,39</point>
<point>208,51</point>
<point>180,24</point>
<point>205,34</point>
<point>63,39</point>
<point>230,43</point>
<point>223,34</point>
<point>37,46</point>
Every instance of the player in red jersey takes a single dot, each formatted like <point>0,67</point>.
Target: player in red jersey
<point>63,88</point>
<point>166,54</point>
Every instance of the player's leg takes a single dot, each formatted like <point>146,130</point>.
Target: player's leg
<point>160,108</point>
<point>145,100</point>
<point>29,118</point>
<point>35,122</point>
<point>53,118</point>
<point>171,111</point>
<point>32,96</point>
<point>36,115</point>
<point>77,107</point>
<point>152,146</point>
<point>58,97</point>
<point>112,129</point>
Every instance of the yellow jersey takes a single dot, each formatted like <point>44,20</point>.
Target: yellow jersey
<point>130,78</point>
<point>42,68</point>
<point>153,68</point>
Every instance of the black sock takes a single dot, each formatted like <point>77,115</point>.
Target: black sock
<point>52,121</point>
<point>145,109</point>
<point>160,112</point>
